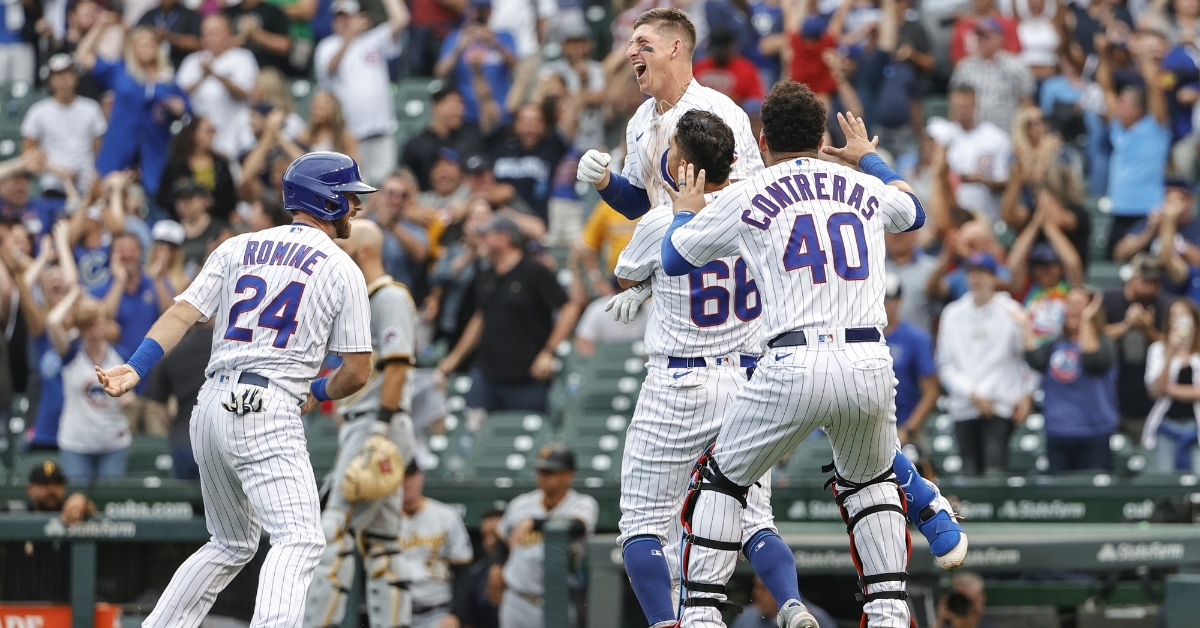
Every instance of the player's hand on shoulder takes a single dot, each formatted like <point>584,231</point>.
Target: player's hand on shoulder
<point>117,380</point>
<point>593,168</point>
<point>689,192</point>
<point>858,142</point>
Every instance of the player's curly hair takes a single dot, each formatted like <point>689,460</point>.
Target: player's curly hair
<point>793,119</point>
<point>706,141</point>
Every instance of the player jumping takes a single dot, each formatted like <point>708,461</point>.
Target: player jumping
<point>811,232</point>
<point>702,335</point>
<point>283,298</point>
<point>660,51</point>
<point>355,522</point>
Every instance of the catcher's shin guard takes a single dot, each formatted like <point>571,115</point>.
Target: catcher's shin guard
<point>334,576</point>
<point>876,520</point>
<point>712,526</point>
<point>389,604</point>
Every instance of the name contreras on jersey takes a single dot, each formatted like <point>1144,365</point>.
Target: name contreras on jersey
<point>795,188</point>
<point>291,254</point>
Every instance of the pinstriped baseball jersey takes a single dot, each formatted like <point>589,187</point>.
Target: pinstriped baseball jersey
<point>648,135</point>
<point>712,311</point>
<point>283,298</point>
<point>811,233</point>
<point>432,539</point>
<point>393,337</point>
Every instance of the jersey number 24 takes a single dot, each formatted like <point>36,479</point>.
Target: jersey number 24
<point>746,305</point>
<point>279,314</point>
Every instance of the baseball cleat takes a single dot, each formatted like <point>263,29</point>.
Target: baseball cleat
<point>795,615</point>
<point>946,538</point>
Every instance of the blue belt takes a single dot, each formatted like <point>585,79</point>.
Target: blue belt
<point>253,379</point>
<point>797,339</point>
<point>746,362</point>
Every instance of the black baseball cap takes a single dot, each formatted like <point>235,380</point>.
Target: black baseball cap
<point>47,472</point>
<point>555,457</point>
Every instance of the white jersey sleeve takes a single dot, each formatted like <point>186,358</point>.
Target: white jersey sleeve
<point>205,291</point>
<point>352,325</point>
<point>641,255</point>
<point>712,233</point>
<point>900,209</point>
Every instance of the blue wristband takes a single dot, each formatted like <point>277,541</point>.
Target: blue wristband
<point>146,356</point>
<point>317,387</point>
<point>875,166</point>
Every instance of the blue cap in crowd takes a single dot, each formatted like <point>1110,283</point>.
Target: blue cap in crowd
<point>982,261</point>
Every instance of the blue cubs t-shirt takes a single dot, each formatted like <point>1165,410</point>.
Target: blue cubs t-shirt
<point>912,359</point>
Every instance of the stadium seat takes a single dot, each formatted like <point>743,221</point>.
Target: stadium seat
<point>805,462</point>
<point>149,456</point>
<point>598,441</point>
<point>506,447</point>
<point>302,93</point>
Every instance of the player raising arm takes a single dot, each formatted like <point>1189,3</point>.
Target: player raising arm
<point>283,298</point>
<point>660,50</point>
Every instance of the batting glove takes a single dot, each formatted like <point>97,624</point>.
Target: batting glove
<point>624,305</point>
<point>592,166</point>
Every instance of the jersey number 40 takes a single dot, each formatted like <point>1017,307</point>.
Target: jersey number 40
<point>710,303</point>
<point>279,314</point>
<point>804,247</point>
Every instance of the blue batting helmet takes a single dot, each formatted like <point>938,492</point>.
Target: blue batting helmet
<point>319,178</point>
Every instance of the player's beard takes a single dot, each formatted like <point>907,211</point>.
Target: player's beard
<point>341,227</point>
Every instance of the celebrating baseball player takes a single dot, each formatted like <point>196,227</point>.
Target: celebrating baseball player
<point>660,50</point>
<point>362,506</point>
<point>811,232</point>
<point>283,298</point>
<point>702,335</point>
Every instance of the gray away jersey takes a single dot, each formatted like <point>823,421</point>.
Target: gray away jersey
<point>648,136</point>
<point>811,233</point>
<point>393,337</point>
<point>283,298</point>
<point>524,570</point>
<point>433,539</point>
<point>712,311</point>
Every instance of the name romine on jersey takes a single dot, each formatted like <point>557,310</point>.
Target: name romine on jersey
<point>292,254</point>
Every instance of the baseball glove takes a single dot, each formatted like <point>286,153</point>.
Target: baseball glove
<point>375,472</point>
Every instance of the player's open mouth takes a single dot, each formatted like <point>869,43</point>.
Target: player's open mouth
<point>639,68</point>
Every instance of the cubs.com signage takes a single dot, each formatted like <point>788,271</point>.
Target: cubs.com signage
<point>54,616</point>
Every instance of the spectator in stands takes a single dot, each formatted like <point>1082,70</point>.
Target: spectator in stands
<point>1039,36</point>
<point>166,255</point>
<point>1042,274</point>
<point>54,281</point>
<point>327,127</point>
<point>766,22</point>
<point>605,233</point>
<point>763,610</point>
<point>1145,234</point>
<point>270,92</point>
<point>964,39</point>
<point>1181,83</point>
<point>979,360</point>
<point>300,14</point>
<point>93,433</point>
<point>192,157</point>
<point>730,73</point>
<point>1180,21</point>
<point>524,21</point>
<point>146,101</point>
<point>584,81</point>
<point>450,305</point>
<point>891,81</point>
<point>267,213</point>
<point>949,280</point>
<point>435,543</point>
<point>912,360</point>
<point>180,375</point>
<point>963,605</point>
<point>353,65</point>
<point>432,22</point>
<point>526,155</point>
<point>913,268</point>
<point>18,204</point>
<point>476,606</point>
<point>131,297</point>
<point>1079,378</point>
<point>263,167</point>
<point>514,326</point>
<point>447,184</point>
<point>262,29</point>
<point>809,36</point>
<point>16,50</point>
<point>1135,315</point>
<point>1172,365</point>
<point>978,152</point>
<point>67,128</point>
<point>1001,80</point>
<point>480,62</point>
<point>447,129</point>
<point>1140,139</point>
<point>596,326</point>
<point>177,25</point>
<point>405,243</point>
<point>203,232</point>
<point>218,79</point>
<point>521,526</point>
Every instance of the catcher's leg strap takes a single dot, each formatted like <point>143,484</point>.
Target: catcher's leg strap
<point>880,551</point>
<point>707,477</point>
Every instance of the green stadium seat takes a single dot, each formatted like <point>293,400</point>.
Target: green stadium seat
<point>937,106</point>
<point>805,462</point>
<point>506,447</point>
<point>149,456</point>
<point>598,441</point>
<point>447,449</point>
<point>1104,274</point>
<point>302,94</point>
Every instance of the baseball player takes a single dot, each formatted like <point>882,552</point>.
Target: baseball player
<point>702,335</point>
<point>811,233</point>
<point>660,51</point>
<point>521,529</point>
<point>283,298</point>
<point>355,522</point>
<point>437,549</point>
